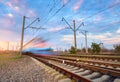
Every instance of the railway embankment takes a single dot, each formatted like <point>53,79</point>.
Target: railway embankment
<point>14,68</point>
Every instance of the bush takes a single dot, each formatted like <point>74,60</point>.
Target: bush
<point>72,50</point>
<point>95,48</point>
<point>117,48</point>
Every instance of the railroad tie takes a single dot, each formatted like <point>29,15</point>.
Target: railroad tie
<point>96,64</point>
<point>59,77</point>
<point>65,80</point>
<point>79,70</point>
<point>72,69</point>
<point>102,65</point>
<point>70,66</point>
<point>51,71</point>
<point>53,74</point>
<point>118,68</point>
<point>117,80</point>
<point>110,67</point>
<point>86,72</point>
<point>75,68</point>
<point>103,78</point>
<point>93,75</point>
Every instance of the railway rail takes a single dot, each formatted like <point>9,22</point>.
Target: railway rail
<point>115,58</point>
<point>80,72</point>
<point>106,64</point>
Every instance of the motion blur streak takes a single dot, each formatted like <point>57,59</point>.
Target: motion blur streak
<point>39,51</point>
<point>38,42</point>
<point>38,46</point>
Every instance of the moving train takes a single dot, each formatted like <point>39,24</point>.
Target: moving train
<point>39,51</point>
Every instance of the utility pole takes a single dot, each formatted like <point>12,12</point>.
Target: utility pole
<point>21,46</point>
<point>75,44</point>
<point>74,30</point>
<point>86,42</point>
<point>81,47</point>
<point>85,34</point>
<point>23,28</point>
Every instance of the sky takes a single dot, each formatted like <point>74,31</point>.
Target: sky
<point>101,19</point>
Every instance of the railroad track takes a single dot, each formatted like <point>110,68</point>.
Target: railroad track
<point>105,64</point>
<point>80,72</point>
<point>110,58</point>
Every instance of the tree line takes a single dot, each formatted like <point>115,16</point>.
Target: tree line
<point>95,49</point>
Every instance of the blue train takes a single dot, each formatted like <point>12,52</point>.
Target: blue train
<point>39,51</point>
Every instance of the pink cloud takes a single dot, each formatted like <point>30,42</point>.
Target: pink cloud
<point>9,4</point>
<point>7,22</point>
<point>55,29</point>
<point>78,5</point>
<point>98,19</point>
<point>107,38</point>
<point>114,40</point>
<point>65,1</point>
<point>11,35</point>
<point>20,7</point>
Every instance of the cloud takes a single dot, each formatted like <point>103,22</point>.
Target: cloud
<point>69,38</point>
<point>98,19</point>
<point>9,34</point>
<point>113,40</point>
<point>20,7</point>
<point>65,1</point>
<point>9,4</point>
<point>99,36</point>
<point>118,31</point>
<point>55,29</point>
<point>7,22</point>
<point>108,38</point>
<point>78,5</point>
<point>10,15</point>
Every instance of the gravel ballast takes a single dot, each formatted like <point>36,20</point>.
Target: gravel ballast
<point>21,70</point>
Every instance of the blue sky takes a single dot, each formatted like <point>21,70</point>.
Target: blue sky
<point>101,19</point>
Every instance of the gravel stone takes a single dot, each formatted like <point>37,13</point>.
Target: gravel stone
<point>21,70</point>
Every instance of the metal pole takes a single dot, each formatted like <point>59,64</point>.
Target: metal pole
<point>74,30</point>
<point>75,45</point>
<point>86,42</point>
<point>22,38</point>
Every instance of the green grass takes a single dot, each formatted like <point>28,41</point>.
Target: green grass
<point>6,58</point>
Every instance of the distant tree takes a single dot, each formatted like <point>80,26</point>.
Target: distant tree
<point>72,50</point>
<point>95,48</point>
<point>105,50</point>
<point>117,48</point>
<point>89,50</point>
<point>65,50</point>
<point>83,50</point>
<point>78,50</point>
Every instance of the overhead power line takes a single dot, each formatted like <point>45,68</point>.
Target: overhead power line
<point>37,19</point>
<point>102,11</point>
<point>74,30</point>
<point>84,32</point>
<point>23,28</point>
<point>47,20</point>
